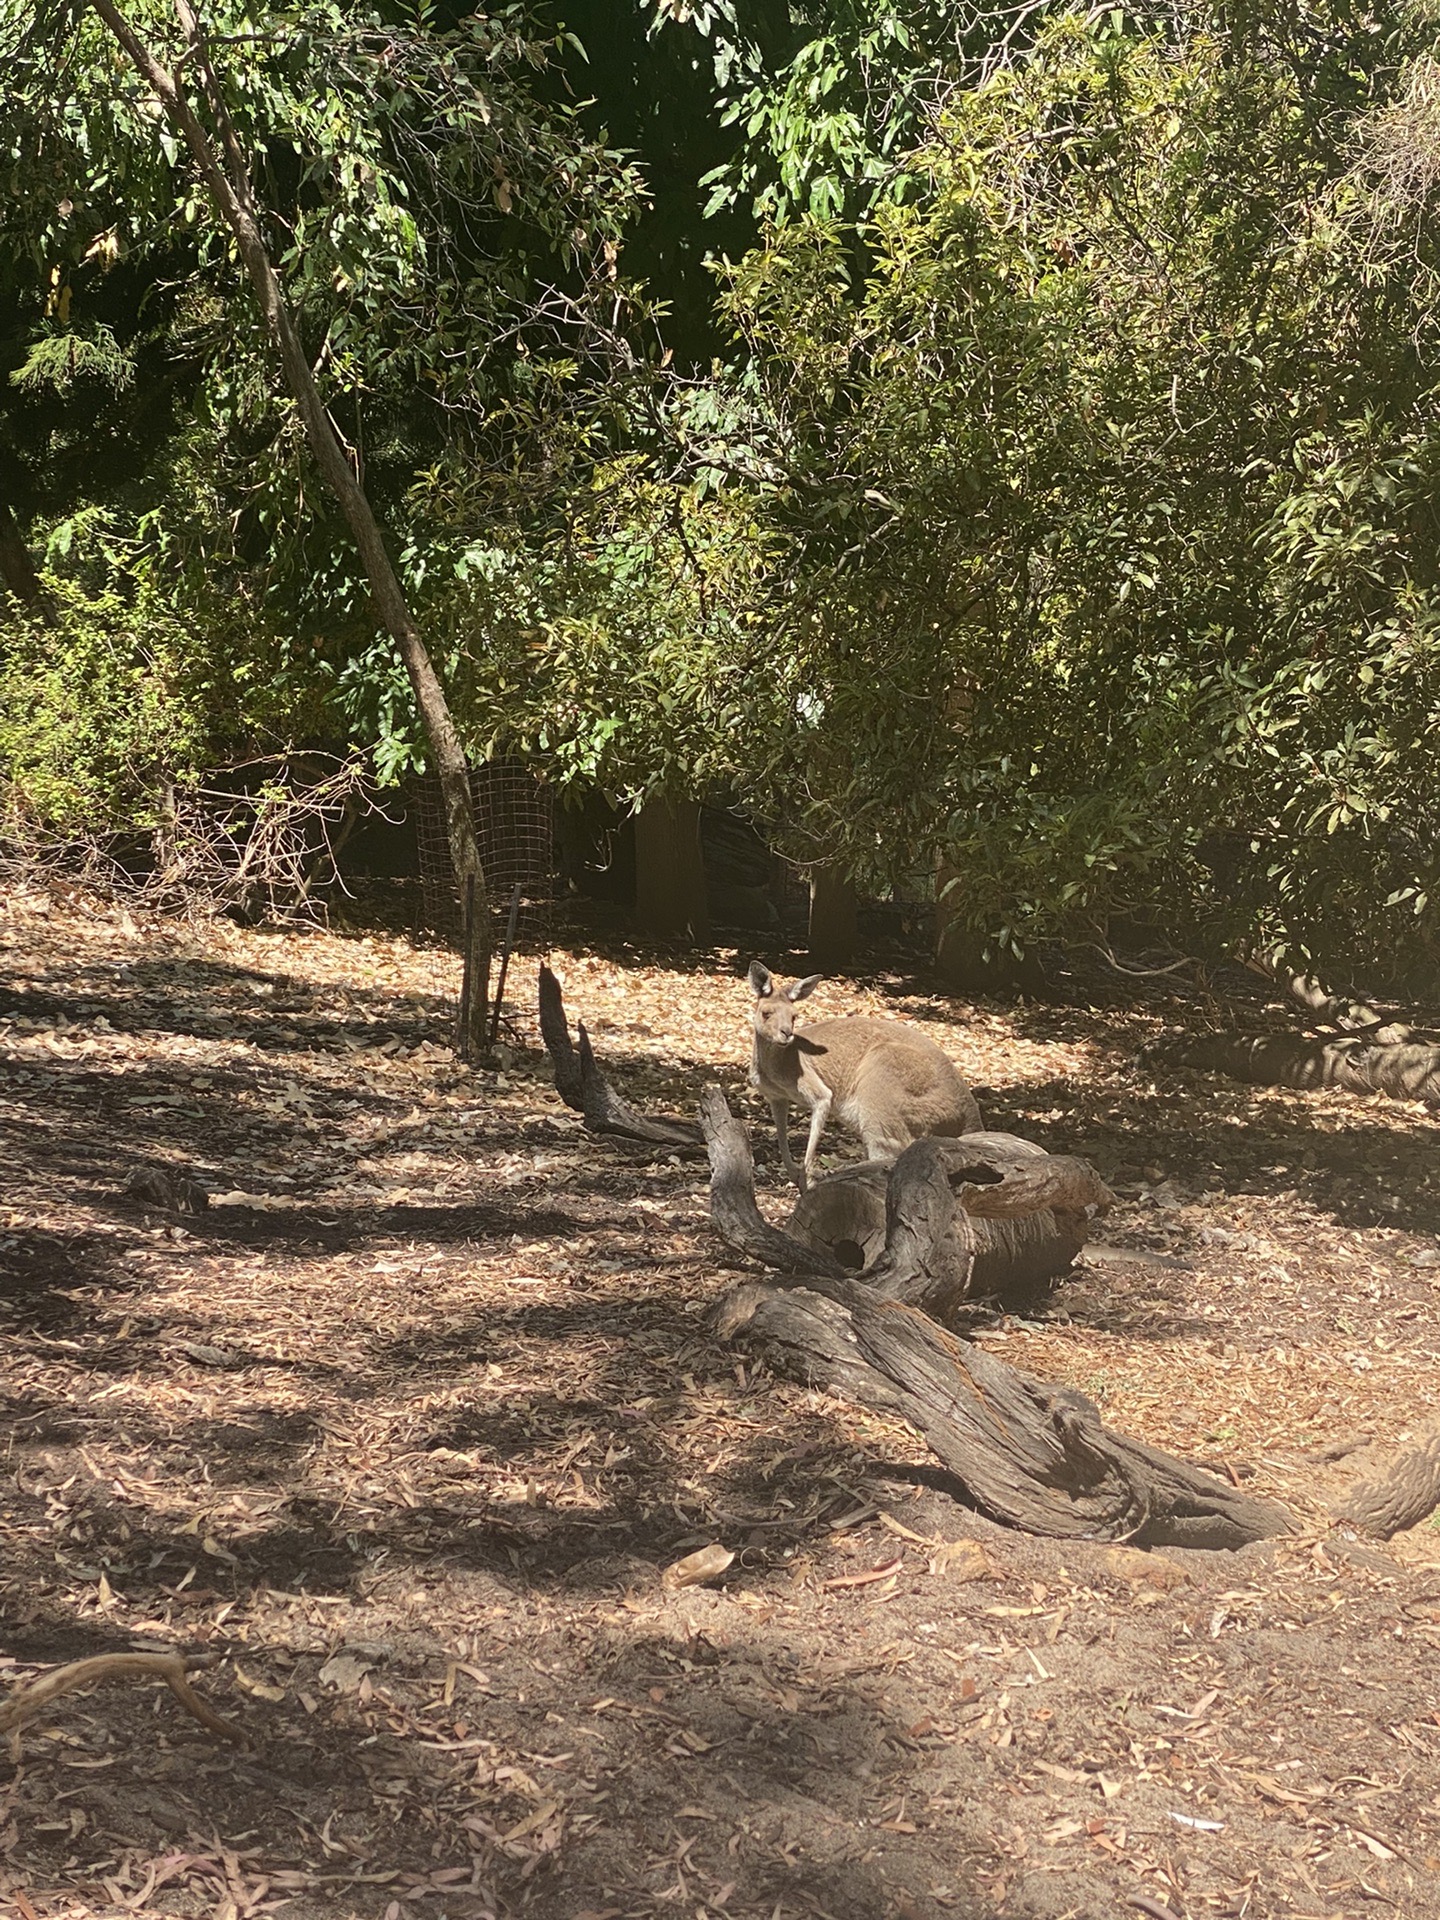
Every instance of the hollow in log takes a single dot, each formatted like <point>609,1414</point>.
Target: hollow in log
<point>1016,1218</point>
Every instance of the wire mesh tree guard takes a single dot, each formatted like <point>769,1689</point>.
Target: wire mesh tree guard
<point>515,826</point>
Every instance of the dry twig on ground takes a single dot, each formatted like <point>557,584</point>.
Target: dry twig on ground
<point>27,1701</point>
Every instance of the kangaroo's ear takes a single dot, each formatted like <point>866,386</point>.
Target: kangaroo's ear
<point>760,980</point>
<point>804,1044</point>
<point>802,989</point>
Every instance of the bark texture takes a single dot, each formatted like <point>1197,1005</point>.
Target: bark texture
<point>1396,1491</point>
<point>1028,1453</point>
<point>987,1214</point>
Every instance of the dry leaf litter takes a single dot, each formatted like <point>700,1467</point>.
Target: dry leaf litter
<point>409,1424</point>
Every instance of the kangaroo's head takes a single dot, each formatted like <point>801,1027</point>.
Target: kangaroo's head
<point>774,1012</point>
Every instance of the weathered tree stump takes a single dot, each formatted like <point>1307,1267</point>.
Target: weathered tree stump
<point>948,1210</point>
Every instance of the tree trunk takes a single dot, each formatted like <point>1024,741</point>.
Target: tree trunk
<point>670,871</point>
<point>1344,1010</point>
<point>1357,1046</point>
<point>834,919</point>
<point>230,187</point>
<point>964,961</point>
<point>18,576</point>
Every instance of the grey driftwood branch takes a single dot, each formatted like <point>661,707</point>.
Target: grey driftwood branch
<point>1027,1452</point>
<point>585,1089</point>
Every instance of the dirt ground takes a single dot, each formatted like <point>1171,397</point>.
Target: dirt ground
<point>405,1427</point>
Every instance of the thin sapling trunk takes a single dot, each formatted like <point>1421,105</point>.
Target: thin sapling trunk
<point>228,181</point>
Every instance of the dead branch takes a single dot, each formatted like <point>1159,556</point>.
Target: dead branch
<point>1107,954</point>
<point>607,1111</point>
<point>27,1701</point>
<point>555,1032</point>
<point>1028,1453</point>
<point>733,1211</point>
<point>254,839</point>
<point>582,1085</point>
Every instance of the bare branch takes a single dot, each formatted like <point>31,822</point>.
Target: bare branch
<point>26,1702</point>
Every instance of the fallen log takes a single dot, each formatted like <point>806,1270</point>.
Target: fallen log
<point>1347,1011</point>
<point>1028,1453</point>
<point>1394,1491</point>
<point>1014,1219</point>
<point>1031,1454</point>
<point>1405,1070</point>
<point>986,1213</point>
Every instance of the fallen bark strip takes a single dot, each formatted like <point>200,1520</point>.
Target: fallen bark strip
<point>583,1087</point>
<point>1028,1453</point>
<point>172,1667</point>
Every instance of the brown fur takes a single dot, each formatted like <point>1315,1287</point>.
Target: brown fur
<point>885,1081</point>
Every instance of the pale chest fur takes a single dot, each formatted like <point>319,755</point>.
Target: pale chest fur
<point>776,1072</point>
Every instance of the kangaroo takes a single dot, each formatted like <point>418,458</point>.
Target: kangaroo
<point>884,1080</point>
